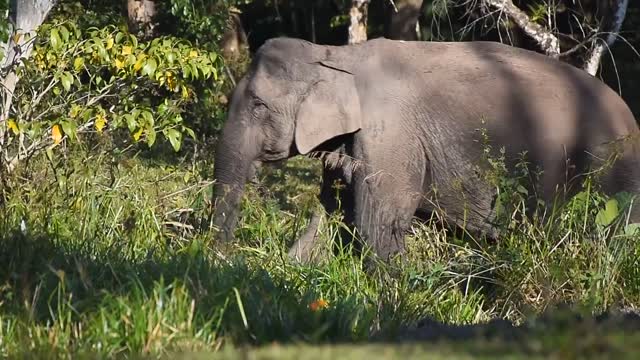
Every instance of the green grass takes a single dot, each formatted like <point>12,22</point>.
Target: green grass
<point>117,260</point>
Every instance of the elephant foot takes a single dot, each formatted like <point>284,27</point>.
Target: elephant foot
<point>308,249</point>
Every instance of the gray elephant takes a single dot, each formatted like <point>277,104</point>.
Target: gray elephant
<point>400,124</point>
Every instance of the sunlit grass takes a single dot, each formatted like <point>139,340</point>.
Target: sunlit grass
<point>110,255</point>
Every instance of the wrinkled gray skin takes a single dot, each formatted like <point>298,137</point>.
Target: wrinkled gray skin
<point>402,118</point>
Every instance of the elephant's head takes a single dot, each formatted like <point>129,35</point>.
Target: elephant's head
<point>295,96</point>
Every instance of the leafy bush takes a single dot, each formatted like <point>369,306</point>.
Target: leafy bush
<point>103,80</point>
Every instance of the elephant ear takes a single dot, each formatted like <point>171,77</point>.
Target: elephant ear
<point>330,108</point>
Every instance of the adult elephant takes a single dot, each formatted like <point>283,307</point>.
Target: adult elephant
<point>402,126</point>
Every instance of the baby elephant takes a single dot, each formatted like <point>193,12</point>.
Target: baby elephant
<point>403,125</point>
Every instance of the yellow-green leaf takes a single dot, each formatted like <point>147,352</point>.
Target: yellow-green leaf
<point>75,110</point>
<point>139,63</point>
<point>126,50</point>
<point>13,126</point>
<point>54,38</point>
<point>609,213</point>
<point>56,134</point>
<point>78,63</point>
<point>101,122</point>
<point>137,134</point>
<point>109,43</point>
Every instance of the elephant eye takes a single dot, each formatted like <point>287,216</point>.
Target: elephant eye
<point>258,108</point>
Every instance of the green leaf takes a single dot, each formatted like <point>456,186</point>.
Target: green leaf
<point>132,124</point>
<point>49,153</point>
<point>148,117</point>
<point>151,136</point>
<point>189,132</point>
<point>119,37</point>
<point>64,32</point>
<point>186,72</point>
<point>171,57</point>
<point>134,40</point>
<point>69,129</point>
<point>608,214</point>
<point>54,39</point>
<point>205,71</point>
<point>66,79</point>
<point>632,229</point>
<point>149,67</point>
<point>194,71</point>
<point>175,138</point>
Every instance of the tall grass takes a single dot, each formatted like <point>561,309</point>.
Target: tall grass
<point>109,255</point>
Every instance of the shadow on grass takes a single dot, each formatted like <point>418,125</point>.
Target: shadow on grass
<point>236,298</point>
<point>256,300</point>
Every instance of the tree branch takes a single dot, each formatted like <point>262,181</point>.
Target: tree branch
<point>611,26</point>
<point>545,39</point>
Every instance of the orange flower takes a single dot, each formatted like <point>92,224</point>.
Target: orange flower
<point>318,305</point>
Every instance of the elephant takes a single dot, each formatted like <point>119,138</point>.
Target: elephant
<point>401,125</point>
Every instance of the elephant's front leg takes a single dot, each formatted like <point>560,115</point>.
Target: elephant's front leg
<point>385,203</point>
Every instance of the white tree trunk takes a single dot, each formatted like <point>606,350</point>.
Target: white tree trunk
<point>545,39</point>
<point>358,25</point>
<point>610,27</point>
<point>141,14</point>
<point>26,16</point>
<point>402,23</point>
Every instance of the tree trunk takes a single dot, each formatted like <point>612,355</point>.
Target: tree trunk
<point>402,21</point>
<point>610,25</point>
<point>26,15</point>
<point>141,14</point>
<point>358,25</point>
<point>234,40</point>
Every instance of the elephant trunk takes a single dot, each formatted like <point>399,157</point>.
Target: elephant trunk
<point>234,165</point>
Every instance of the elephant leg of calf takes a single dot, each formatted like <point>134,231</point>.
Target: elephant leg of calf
<point>308,248</point>
<point>305,249</point>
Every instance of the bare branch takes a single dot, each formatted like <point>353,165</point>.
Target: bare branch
<point>611,26</point>
<point>545,39</point>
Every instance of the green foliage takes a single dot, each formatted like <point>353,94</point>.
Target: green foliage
<point>4,26</point>
<point>94,81</point>
<point>202,21</point>
<point>538,12</point>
